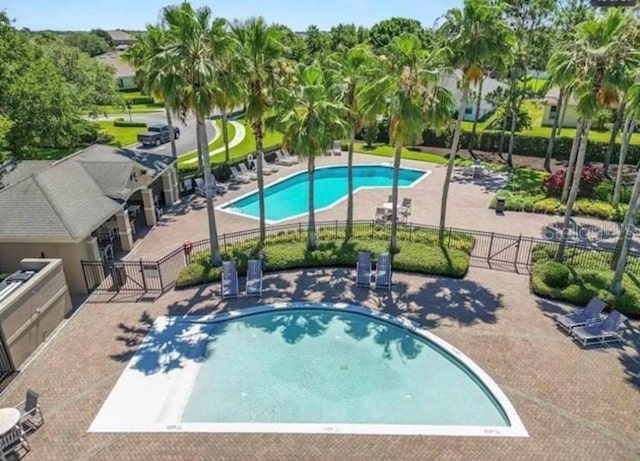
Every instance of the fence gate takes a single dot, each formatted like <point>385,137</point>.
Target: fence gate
<point>122,276</point>
<point>503,252</point>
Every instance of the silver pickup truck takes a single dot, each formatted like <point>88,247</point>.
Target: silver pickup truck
<point>157,134</point>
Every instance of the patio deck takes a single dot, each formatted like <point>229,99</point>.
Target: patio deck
<point>574,403</point>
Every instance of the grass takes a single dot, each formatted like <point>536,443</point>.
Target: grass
<point>384,150</point>
<point>213,145</point>
<point>122,136</point>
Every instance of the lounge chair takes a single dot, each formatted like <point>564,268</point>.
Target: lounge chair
<point>254,277</point>
<point>589,314</point>
<point>294,158</point>
<point>383,271</point>
<point>282,159</point>
<point>600,333</point>
<point>363,269</point>
<point>229,280</point>
<point>266,166</point>
<point>29,409</point>
<point>218,186</point>
<point>245,171</point>
<point>239,177</point>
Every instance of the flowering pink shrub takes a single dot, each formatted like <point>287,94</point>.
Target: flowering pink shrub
<point>592,176</point>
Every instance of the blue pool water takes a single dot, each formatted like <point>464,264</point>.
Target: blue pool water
<point>289,198</point>
<point>330,366</point>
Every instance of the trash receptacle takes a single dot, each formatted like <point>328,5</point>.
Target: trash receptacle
<point>118,275</point>
<point>500,201</point>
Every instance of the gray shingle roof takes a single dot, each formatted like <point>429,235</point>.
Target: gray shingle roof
<point>69,199</point>
<point>114,59</point>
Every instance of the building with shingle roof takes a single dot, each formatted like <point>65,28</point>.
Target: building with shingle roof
<point>57,208</point>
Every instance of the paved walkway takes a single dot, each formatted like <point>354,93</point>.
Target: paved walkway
<point>575,404</point>
<point>237,139</point>
<point>468,207</point>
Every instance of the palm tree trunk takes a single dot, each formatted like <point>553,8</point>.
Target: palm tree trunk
<point>514,127</point>
<point>225,136</point>
<point>257,129</point>
<point>393,246</point>
<point>349,229</point>
<point>502,133</point>
<point>172,134</point>
<point>572,161</point>
<point>575,187</point>
<point>311,226</point>
<point>472,141</point>
<point>208,187</point>
<point>554,130</point>
<point>614,134</point>
<point>624,241</point>
<point>452,159</point>
<point>565,104</point>
<point>629,127</point>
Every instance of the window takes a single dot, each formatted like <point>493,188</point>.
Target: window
<point>468,111</point>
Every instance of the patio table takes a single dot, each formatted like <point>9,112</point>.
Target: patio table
<point>9,419</point>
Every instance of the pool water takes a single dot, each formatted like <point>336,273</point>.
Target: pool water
<point>289,198</point>
<point>329,366</point>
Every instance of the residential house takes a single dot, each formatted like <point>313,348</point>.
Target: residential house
<point>121,38</point>
<point>88,206</point>
<point>550,112</point>
<point>125,73</point>
<point>452,82</point>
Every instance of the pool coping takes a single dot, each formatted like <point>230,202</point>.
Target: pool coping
<point>222,206</point>
<point>109,419</point>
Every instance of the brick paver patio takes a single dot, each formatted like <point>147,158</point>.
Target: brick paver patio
<point>574,403</point>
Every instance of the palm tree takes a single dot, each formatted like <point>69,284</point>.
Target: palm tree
<point>229,93</point>
<point>156,76</point>
<point>598,64</point>
<point>259,52</point>
<point>353,67</point>
<point>409,91</point>
<point>195,43</point>
<point>310,118</point>
<point>476,34</point>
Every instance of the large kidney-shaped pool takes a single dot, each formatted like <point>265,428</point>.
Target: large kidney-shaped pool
<point>304,368</point>
<point>288,198</point>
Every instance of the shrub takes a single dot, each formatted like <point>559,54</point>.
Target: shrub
<point>125,124</point>
<point>555,274</point>
<point>590,179</point>
<point>129,90</point>
<point>413,257</point>
<point>371,134</point>
<point>140,100</point>
<point>496,121</point>
<point>87,132</point>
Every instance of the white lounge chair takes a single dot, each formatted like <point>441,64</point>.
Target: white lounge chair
<point>383,271</point>
<point>287,155</point>
<point>266,166</point>
<point>245,171</point>
<point>254,277</point>
<point>282,159</point>
<point>600,333</point>
<point>238,176</point>
<point>363,269</point>
<point>590,314</point>
<point>229,280</point>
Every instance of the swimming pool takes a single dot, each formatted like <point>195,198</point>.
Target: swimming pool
<point>304,367</point>
<point>288,198</point>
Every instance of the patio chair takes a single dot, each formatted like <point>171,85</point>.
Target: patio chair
<point>589,314</point>
<point>218,186</point>
<point>245,171</point>
<point>293,158</point>
<point>187,184</point>
<point>406,203</point>
<point>29,409</point>
<point>268,166</point>
<point>363,269</point>
<point>383,271</point>
<point>254,277</point>
<point>200,189</point>
<point>381,216</point>
<point>600,333</point>
<point>238,176</point>
<point>12,440</point>
<point>281,159</point>
<point>229,280</point>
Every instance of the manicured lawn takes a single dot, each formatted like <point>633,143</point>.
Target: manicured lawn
<point>389,151</point>
<point>248,144</point>
<point>122,136</point>
<point>56,154</point>
<point>218,143</point>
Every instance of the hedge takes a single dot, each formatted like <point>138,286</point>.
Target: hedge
<point>140,100</point>
<point>413,257</point>
<point>532,146</point>
<point>125,124</point>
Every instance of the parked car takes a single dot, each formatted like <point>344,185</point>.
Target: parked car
<point>157,134</point>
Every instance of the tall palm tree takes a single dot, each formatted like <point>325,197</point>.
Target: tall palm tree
<point>476,35</point>
<point>353,68</point>
<point>156,76</point>
<point>195,43</point>
<point>598,64</point>
<point>229,93</point>
<point>259,53</point>
<point>310,118</point>
<point>410,92</point>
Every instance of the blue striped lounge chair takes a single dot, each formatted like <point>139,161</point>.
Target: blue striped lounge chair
<point>229,280</point>
<point>383,271</point>
<point>254,277</point>
<point>600,333</point>
<point>363,269</point>
<point>589,314</point>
